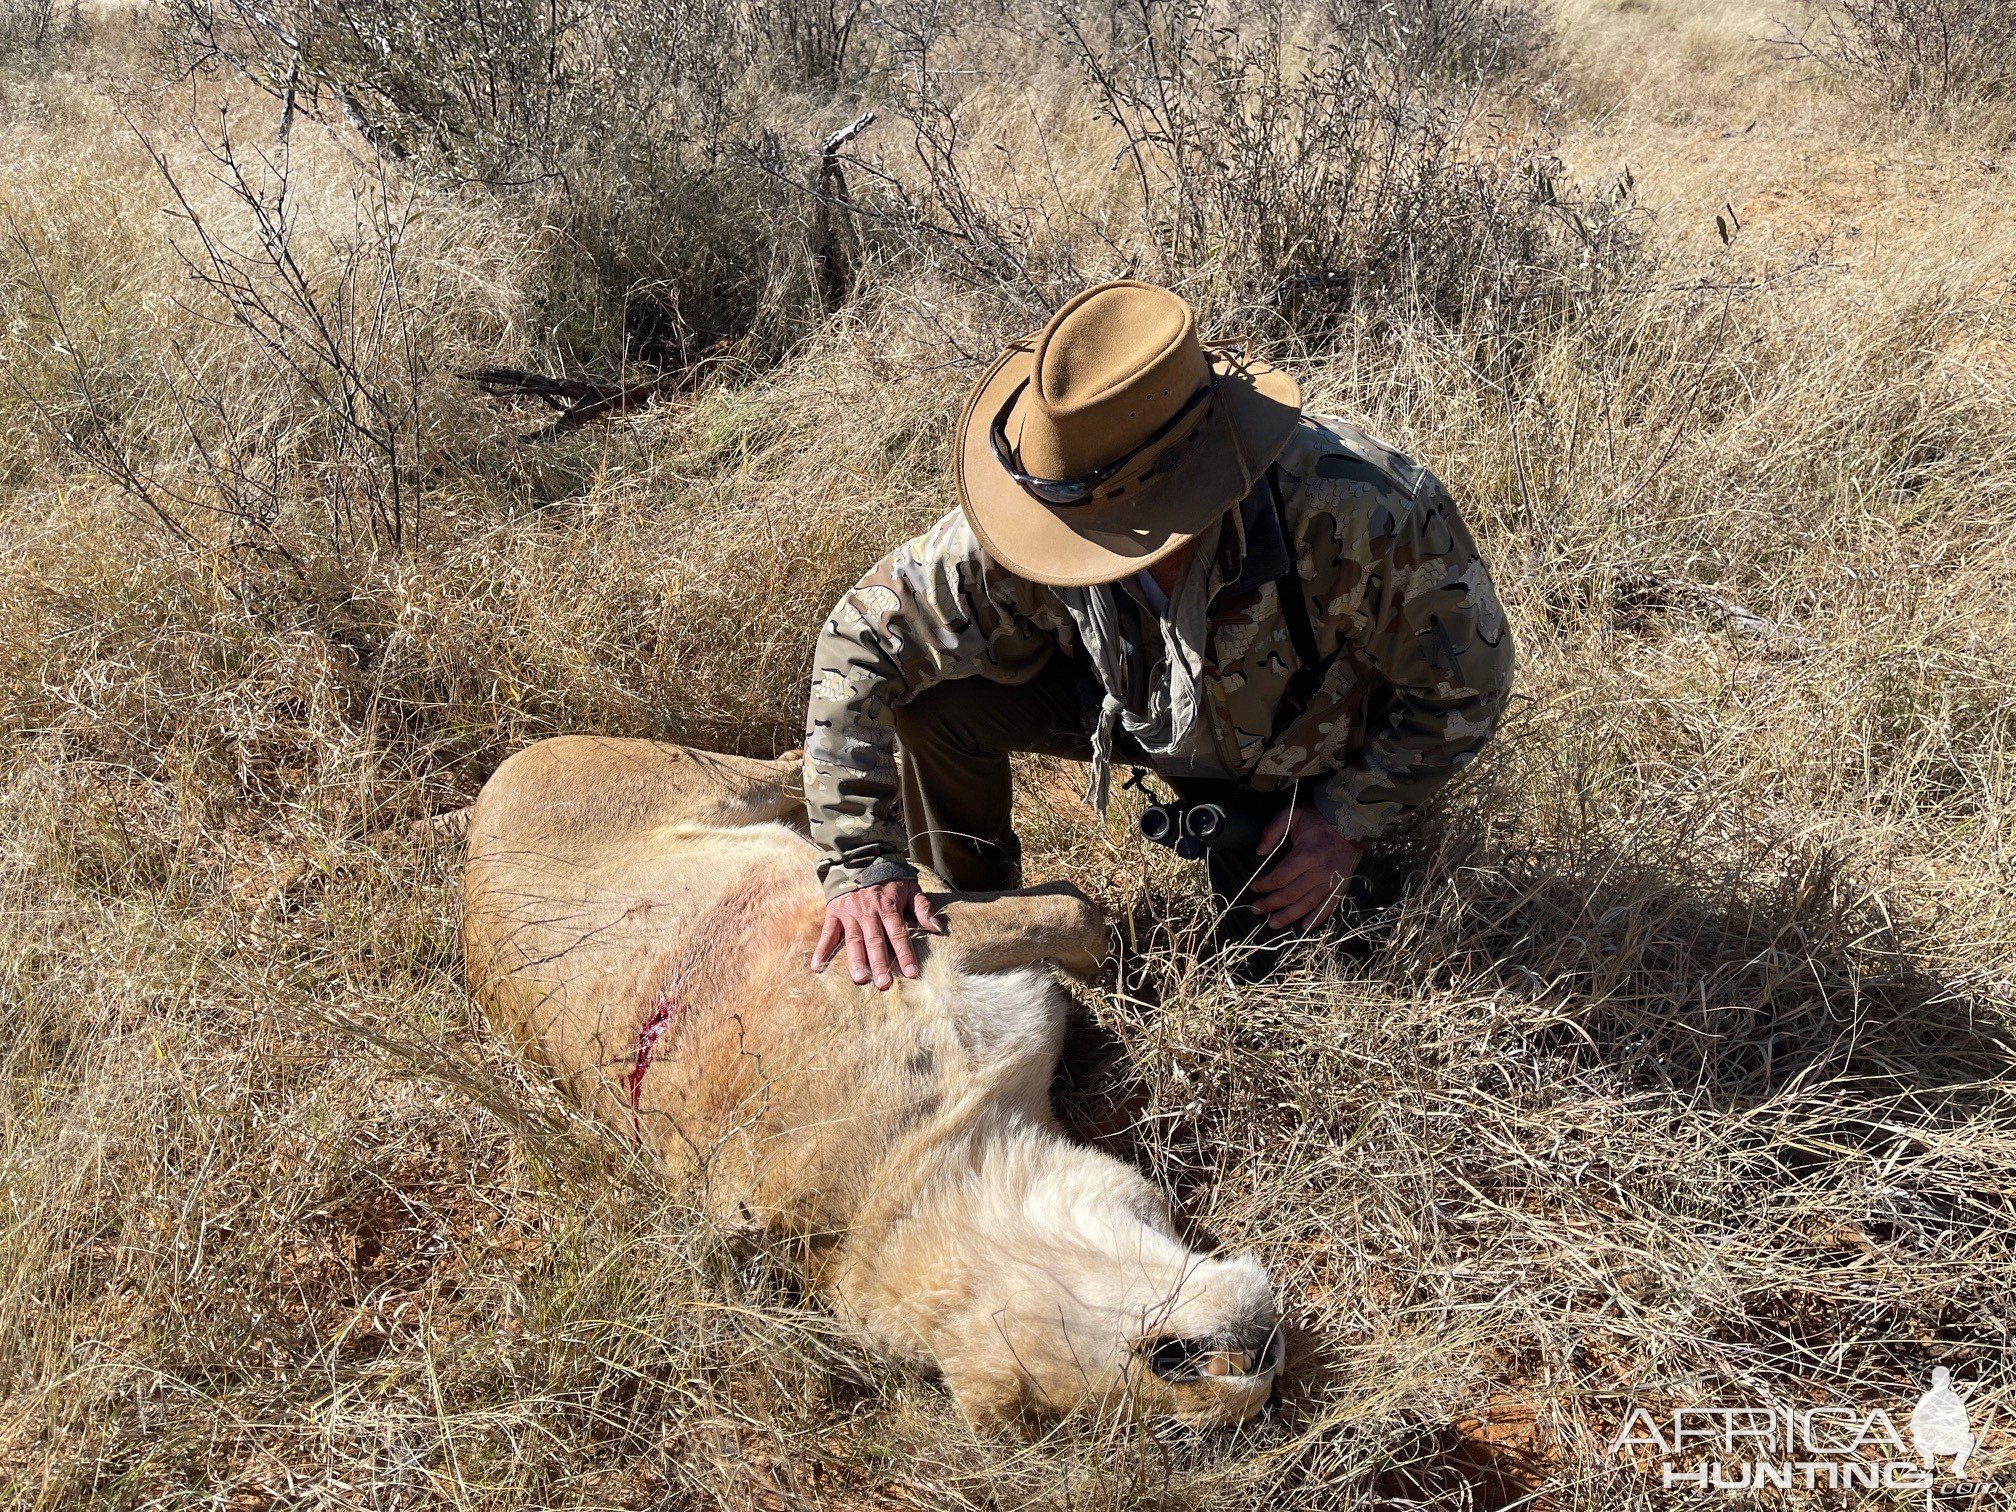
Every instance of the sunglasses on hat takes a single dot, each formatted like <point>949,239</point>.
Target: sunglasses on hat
<point>1068,491</point>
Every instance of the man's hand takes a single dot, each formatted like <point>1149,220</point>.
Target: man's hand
<point>1306,882</point>
<point>875,923</point>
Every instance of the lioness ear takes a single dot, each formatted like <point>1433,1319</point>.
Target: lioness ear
<point>1001,931</point>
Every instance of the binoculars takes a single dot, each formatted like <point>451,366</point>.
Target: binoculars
<point>1192,829</point>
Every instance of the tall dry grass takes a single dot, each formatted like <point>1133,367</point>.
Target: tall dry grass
<point>1684,1073</point>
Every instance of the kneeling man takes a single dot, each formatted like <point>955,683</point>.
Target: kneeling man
<point>1157,559</point>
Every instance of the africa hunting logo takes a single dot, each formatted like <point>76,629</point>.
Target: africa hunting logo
<point>1833,1448</point>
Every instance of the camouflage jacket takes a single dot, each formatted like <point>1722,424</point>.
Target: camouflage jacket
<point>1417,661</point>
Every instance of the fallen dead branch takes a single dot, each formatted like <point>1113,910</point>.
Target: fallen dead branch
<point>829,191</point>
<point>579,401</point>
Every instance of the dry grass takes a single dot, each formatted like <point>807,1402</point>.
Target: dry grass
<point>1685,1075</point>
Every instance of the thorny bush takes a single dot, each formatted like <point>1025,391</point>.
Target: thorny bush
<point>1454,38</point>
<point>304,455</point>
<point>1288,176</point>
<point>1325,180</point>
<point>615,125</point>
<point>1922,55</point>
<point>1308,163</point>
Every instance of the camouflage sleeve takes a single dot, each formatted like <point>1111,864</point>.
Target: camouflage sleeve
<point>934,608</point>
<point>1439,658</point>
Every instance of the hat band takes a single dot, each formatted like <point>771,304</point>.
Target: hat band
<point>1065,492</point>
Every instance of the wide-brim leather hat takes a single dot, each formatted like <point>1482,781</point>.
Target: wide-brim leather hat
<point>1113,436</point>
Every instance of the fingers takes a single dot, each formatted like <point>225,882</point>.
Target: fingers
<point>857,951</point>
<point>897,929</point>
<point>875,936</point>
<point>1277,828</point>
<point>874,922</point>
<point>1289,902</point>
<point>830,936</point>
<point>1315,911</point>
<point>1290,872</point>
<point>1294,907</point>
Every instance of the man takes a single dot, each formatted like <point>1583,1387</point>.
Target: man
<point>1156,558</point>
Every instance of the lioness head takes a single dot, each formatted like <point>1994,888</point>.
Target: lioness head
<point>1048,1279</point>
<point>1212,1358</point>
<point>1085,1300</point>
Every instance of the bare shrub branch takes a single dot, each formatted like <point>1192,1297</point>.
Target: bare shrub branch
<point>1310,181</point>
<point>616,124</point>
<point>1450,38</point>
<point>1921,55</point>
<point>312,446</point>
<point>29,24</point>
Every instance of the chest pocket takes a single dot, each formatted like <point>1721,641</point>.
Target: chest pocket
<point>1254,663</point>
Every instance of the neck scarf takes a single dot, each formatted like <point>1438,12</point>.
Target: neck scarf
<point>1119,635</point>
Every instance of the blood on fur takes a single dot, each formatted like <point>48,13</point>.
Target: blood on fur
<point>729,917</point>
<point>663,1009</point>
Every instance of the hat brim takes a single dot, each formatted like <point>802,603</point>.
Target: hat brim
<point>1106,539</point>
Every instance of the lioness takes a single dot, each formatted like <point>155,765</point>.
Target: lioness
<point>640,915</point>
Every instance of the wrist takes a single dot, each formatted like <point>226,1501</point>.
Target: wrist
<point>1351,822</point>
<point>841,880</point>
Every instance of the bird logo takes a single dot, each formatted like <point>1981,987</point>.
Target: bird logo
<point>1939,1423</point>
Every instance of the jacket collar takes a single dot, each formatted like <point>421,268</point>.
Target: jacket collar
<point>1255,551</point>
<point>1250,551</point>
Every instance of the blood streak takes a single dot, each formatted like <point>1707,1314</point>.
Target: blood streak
<point>664,1008</point>
<point>724,925</point>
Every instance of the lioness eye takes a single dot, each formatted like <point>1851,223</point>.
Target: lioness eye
<point>1178,1359</point>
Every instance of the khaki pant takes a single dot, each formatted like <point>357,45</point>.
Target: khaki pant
<point>956,739</point>
<point>958,794</point>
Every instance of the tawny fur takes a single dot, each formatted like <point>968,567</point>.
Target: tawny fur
<point>641,916</point>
